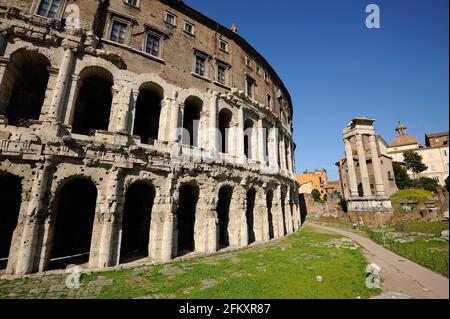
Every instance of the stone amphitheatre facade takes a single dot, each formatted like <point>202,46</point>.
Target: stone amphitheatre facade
<point>136,129</point>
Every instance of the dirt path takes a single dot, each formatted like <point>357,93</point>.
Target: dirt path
<point>399,274</point>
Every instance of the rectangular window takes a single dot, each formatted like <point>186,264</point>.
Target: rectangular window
<point>133,3</point>
<point>266,77</point>
<point>118,32</point>
<point>445,153</point>
<point>269,100</point>
<point>430,155</point>
<point>250,87</point>
<point>433,168</point>
<point>189,28</point>
<point>248,61</point>
<point>221,70</point>
<point>200,64</point>
<point>223,46</point>
<point>170,19</point>
<point>153,45</point>
<point>48,8</point>
<point>258,70</point>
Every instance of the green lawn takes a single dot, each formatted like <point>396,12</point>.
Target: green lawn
<point>427,252</point>
<point>418,195</point>
<point>281,269</point>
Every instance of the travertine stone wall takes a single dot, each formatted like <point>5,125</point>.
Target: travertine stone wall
<point>46,155</point>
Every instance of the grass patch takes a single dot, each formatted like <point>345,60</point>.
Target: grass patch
<point>426,252</point>
<point>285,269</point>
<point>418,195</point>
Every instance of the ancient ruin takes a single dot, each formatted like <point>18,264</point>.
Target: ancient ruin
<point>134,129</point>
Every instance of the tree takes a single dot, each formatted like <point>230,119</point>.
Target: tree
<point>428,184</point>
<point>401,176</point>
<point>413,161</point>
<point>315,195</point>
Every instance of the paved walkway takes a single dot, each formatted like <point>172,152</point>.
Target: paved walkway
<point>399,273</point>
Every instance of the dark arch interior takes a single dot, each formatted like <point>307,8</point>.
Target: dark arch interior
<point>248,139</point>
<point>251,198</point>
<point>187,207</point>
<point>28,92</point>
<point>10,199</point>
<point>148,111</point>
<point>137,217</point>
<point>74,221</point>
<point>93,106</point>
<point>269,210</point>
<point>192,109</point>
<point>224,126</point>
<point>283,211</point>
<point>223,212</point>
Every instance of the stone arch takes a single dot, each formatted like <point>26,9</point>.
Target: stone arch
<point>249,139</point>
<point>72,221</point>
<point>225,118</point>
<point>148,112</point>
<point>92,109</point>
<point>193,107</point>
<point>10,199</point>
<point>250,213</point>
<point>225,196</point>
<point>136,220</point>
<point>188,196</point>
<point>270,206</point>
<point>21,95</point>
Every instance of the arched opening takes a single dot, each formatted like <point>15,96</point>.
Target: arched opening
<point>137,216</point>
<point>269,203</point>
<point>283,211</point>
<point>148,112</point>
<point>225,117</point>
<point>187,207</point>
<point>23,87</point>
<point>10,199</point>
<point>93,104</point>
<point>223,212</point>
<point>191,120</point>
<point>248,139</point>
<point>251,198</point>
<point>74,219</point>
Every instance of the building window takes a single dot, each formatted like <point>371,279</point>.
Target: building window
<point>134,3</point>
<point>266,77</point>
<point>248,61</point>
<point>48,8</point>
<point>153,45</point>
<point>258,70</point>
<point>250,87</point>
<point>118,32</point>
<point>223,46</point>
<point>221,73</point>
<point>433,168</point>
<point>170,19</point>
<point>189,28</point>
<point>445,153</point>
<point>437,179</point>
<point>200,65</point>
<point>430,155</point>
<point>269,100</point>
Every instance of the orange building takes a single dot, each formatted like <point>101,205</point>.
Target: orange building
<point>313,180</point>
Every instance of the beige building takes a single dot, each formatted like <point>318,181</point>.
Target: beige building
<point>136,130</point>
<point>435,153</point>
<point>366,173</point>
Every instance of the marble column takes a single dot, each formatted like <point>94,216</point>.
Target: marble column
<point>213,122</point>
<point>261,157</point>
<point>363,166</point>
<point>26,261</point>
<point>351,169</point>
<point>240,145</point>
<point>62,79</point>
<point>275,153</point>
<point>379,184</point>
<point>124,109</point>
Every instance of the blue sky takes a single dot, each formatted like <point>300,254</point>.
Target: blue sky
<point>335,68</point>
